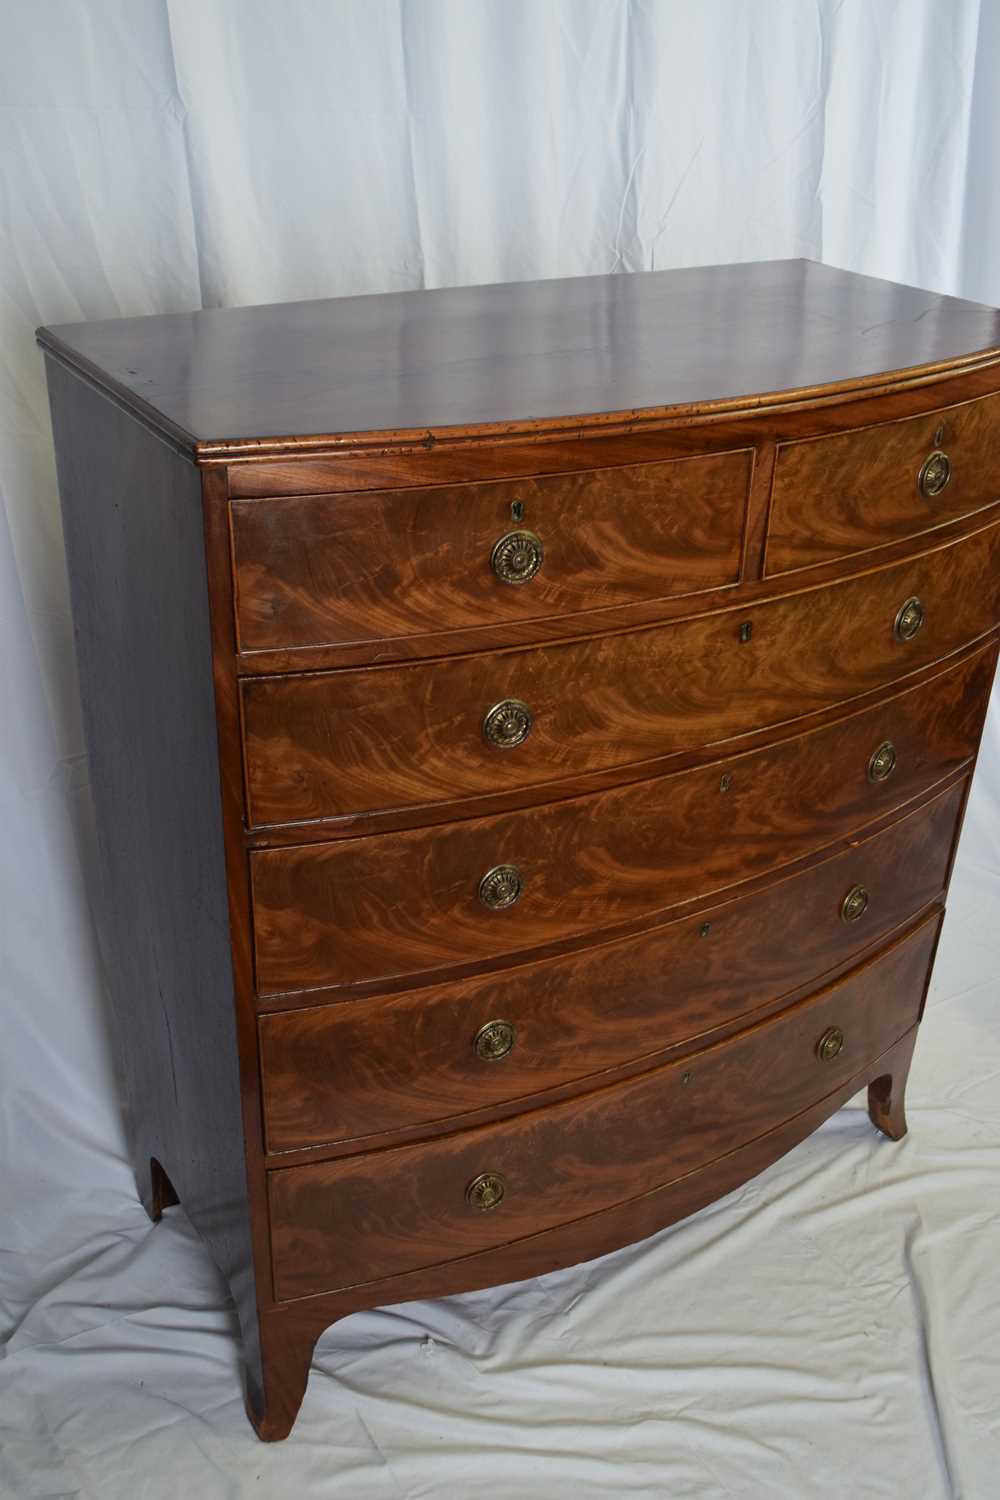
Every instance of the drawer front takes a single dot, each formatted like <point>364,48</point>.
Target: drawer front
<point>337,1224</point>
<point>367,910</point>
<point>332,744</point>
<point>346,1072</point>
<point>833,496</point>
<point>319,570</point>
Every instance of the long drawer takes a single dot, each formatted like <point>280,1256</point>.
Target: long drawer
<point>366,910</point>
<point>846,492</point>
<point>340,1223</point>
<point>332,744</point>
<point>316,570</point>
<point>353,1071</point>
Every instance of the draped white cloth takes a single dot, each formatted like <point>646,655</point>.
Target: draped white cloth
<point>833,1328</point>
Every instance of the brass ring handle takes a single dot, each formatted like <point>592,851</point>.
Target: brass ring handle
<point>486,1191</point>
<point>501,887</point>
<point>882,762</point>
<point>935,473</point>
<point>517,557</point>
<point>830,1044</point>
<point>495,1040</point>
<point>854,904</point>
<point>508,724</point>
<point>908,620</point>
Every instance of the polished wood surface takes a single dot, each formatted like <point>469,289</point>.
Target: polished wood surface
<point>329,745</point>
<point>290,1329</point>
<point>833,496</point>
<point>224,381</point>
<point>360,912</point>
<point>144,657</point>
<point>354,1072</point>
<point>288,667</point>
<point>340,1223</point>
<point>328,569</point>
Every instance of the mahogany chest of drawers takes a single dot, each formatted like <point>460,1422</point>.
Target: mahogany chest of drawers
<point>530,728</point>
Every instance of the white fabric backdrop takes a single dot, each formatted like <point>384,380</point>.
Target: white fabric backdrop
<point>833,1329</point>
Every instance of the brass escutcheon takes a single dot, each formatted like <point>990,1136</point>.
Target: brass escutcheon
<point>935,472</point>
<point>508,724</point>
<point>517,557</point>
<point>882,762</point>
<point>486,1191</point>
<point>909,619</point>
<point>500,887</point>
<point>495,1040</point>
<point>854,904</point>
<point>830,1044</point>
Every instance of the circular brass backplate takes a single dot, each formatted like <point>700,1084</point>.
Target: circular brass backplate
<point>517,557</point>
<point>935,472</point>
<point>495,1040</point>
<point>486,1191</point>
<point>882,762</point>
<point>500,887</point>
<point>909,619</point>
<point>854,904</point>
<point>508,724</point>
<point>830,1044</point>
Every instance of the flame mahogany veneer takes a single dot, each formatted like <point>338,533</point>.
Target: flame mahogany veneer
<point>530,728</point>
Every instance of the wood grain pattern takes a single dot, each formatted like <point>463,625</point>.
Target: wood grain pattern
<point>290,1329</point>
<point>344,1223</point>
<point>363,912</point>
<point>357,1071</point>
<point>475,459</point>
<point>846,493</point>
<point>329,745</point>
<point>233,380</point>
<point>326,569</point>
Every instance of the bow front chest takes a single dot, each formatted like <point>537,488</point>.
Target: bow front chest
<point>530,728</point>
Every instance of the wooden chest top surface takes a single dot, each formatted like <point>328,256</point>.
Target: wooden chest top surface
<point>521,355</point>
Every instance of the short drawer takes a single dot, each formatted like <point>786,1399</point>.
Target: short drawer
<point>837,495</point>
<point>364,911</point>
<point>337,744</point>
<point>323,570</point>
<point>340,1223</point>
<point>354,1071</point>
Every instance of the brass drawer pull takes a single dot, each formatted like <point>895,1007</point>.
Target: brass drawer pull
<point>909,619</point>
<point>830,1044</point>
<point>508,724</point>
<point>495,1040</point>
<point>934,474</point>
<point>517,557</point>
<point>500,887</point>
<point>855,904</point>
<point>486,1191</point>
<point>882,762</point>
